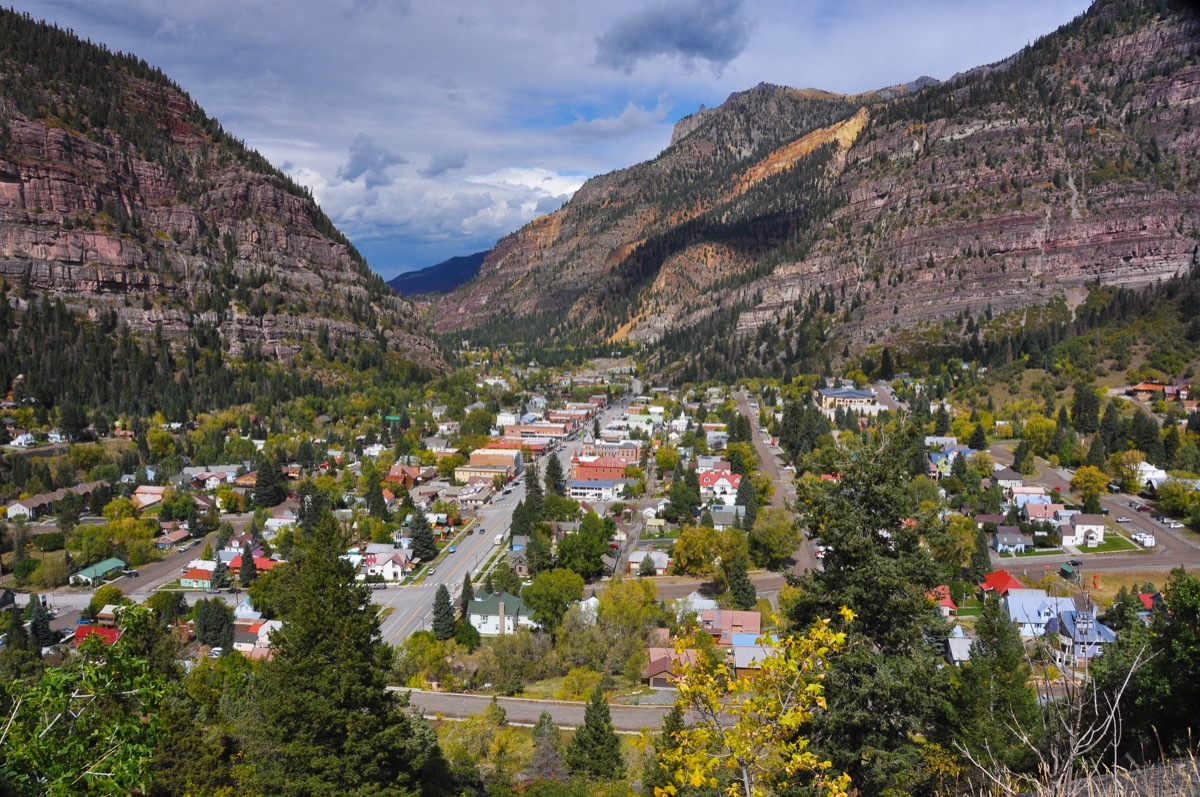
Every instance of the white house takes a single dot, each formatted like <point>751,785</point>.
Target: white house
<point>1083,530</point>
<point>1032,609</point>
<point>662,562</point>
<point>23,441</point>
<point>498,614</point>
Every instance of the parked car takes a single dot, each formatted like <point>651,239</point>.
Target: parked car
<point>1075,562</point>
<point>1144,508</point>
<point>453,548</point>
<point>1174,524</point>
<point>1124,519</point>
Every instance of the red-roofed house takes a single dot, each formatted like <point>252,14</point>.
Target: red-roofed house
<point>107,635</point>
<point>407,475</point>
<point>196,578</point>
<point>662,663</point>
<point>719,482</point>
<point>724,623</point>
<point>261,563</point>
<point>941,596</point>
<point>1000,582</point>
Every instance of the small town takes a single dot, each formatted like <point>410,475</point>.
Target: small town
<point>690,399</point>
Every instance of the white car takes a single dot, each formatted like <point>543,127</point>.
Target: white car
<point>1174,524</point>
<point>1124,519</point>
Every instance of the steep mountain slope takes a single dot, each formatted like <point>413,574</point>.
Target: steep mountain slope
<point>441,278</point>
<point>119,196</point>
<point>819,221</point>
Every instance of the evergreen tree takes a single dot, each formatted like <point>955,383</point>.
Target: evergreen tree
<point>423,545</point>
<point>595,750</point>
<point>521,525</point>
<point>654,770</point>
<point>978,440</point>
<point>1023,458</point>
<point>993,696</point>
<point>21,656</point>
<point>466,597</point>
<point>39,626</point>
<point>747,497</point>
<point>533,494</point>
<point>887,370</point>
<point>488,587</point>
<point>941,421</point>
<point>268,483</point>
<point>741,589</point>
<point>538,556</point>
<point>1146,437</point>
<point>1112,429</point>
<point>247,572</point>
<point>305,457</point>
<point>981,559</point>
<point>443,613</point>
<point>553,477</point>
<point>373,493</point>
<point>1096,455</point>
<point>324,722</point>
<point>1085,409</point>
<point>546,762</point>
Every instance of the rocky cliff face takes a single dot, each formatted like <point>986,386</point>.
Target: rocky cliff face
<point>1071,162</point>
<point>143,206</point>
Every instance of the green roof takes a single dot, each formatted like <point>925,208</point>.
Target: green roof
<point>101,569</point>
<point>490,606</point>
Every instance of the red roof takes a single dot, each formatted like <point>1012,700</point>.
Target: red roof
<point>1000,581</point>
<point>1147,600</point>
<point>107,635</point>
<point>198,574</point>
<point>709,478</point>
<point>261,563</point>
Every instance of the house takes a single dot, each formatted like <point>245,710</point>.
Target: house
<point>494,615</point>
<point>147,496</point>
<point>694,603</point>
<point>171,539</point>
<point>25,440</point>
<point>595,490</point>
<point>662,562</point>
<point>1040,512</point>
<point>196,578</point>
<point>42,503</point>
<point>1000,582</point>
<point>1010,539</point>
<point>748,655</point>
<point>663,664</point>
<point>727,517</point>
<point>1007,479</point>
<point>958,647</point>
<point>261,563</point>
<point>392,566</point>
<point>724,623</point>
<point>1148,390</point>
<point>941,596</point>
<point>1083,530</point>
<point>718,483</point>
<point>1081,636</point>
<point>846,398</point>
<point>108,636</point>
<point>1032,609</point>
<point>91,576</point>
<point>597,468</point>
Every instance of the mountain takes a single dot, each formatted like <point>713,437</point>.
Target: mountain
<point>794,225</point>
<point>122,199</point>
<point>441,278</point>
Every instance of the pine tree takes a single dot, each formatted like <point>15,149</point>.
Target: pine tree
<point>978,440</point>
<point>538,556</point>
<point>546,762</point>
<point>533,495</point>
<point>248,571</point>
<point>268,483</point>
<point>981,559</point>
<point>488,587</point>
<point>553,477</point>
<point>373,493</point>
<point>443,613</point>
<point>466,597</point>
<point>747,497</point>
<point>324,720</point>
<point>595,750</point>
<point>887,369</point>
<point>423,546</point>
<point>741,589</point>
<point>654,773</point>
<point>39,626</point>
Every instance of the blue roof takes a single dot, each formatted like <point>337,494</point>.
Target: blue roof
<point>592,483</point>
<point>1089,632</point>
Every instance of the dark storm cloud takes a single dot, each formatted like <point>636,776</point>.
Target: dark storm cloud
<point>370,161</point>
<point>440,163</point>
<point>712,31</point>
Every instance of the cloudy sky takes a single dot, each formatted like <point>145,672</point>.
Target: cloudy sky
<point>431,129</point>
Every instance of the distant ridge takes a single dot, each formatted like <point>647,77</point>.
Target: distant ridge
<point>442,278</point>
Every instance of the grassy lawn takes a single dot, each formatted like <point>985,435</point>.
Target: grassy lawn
<point>1112,542</point>
<point>1032,552</point>
<point>970,607</point>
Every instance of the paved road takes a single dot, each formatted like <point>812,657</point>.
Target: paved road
<point>412,606</point>
<point>524,711</point>
<point>785,488</point>
<point>1174,548</point>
